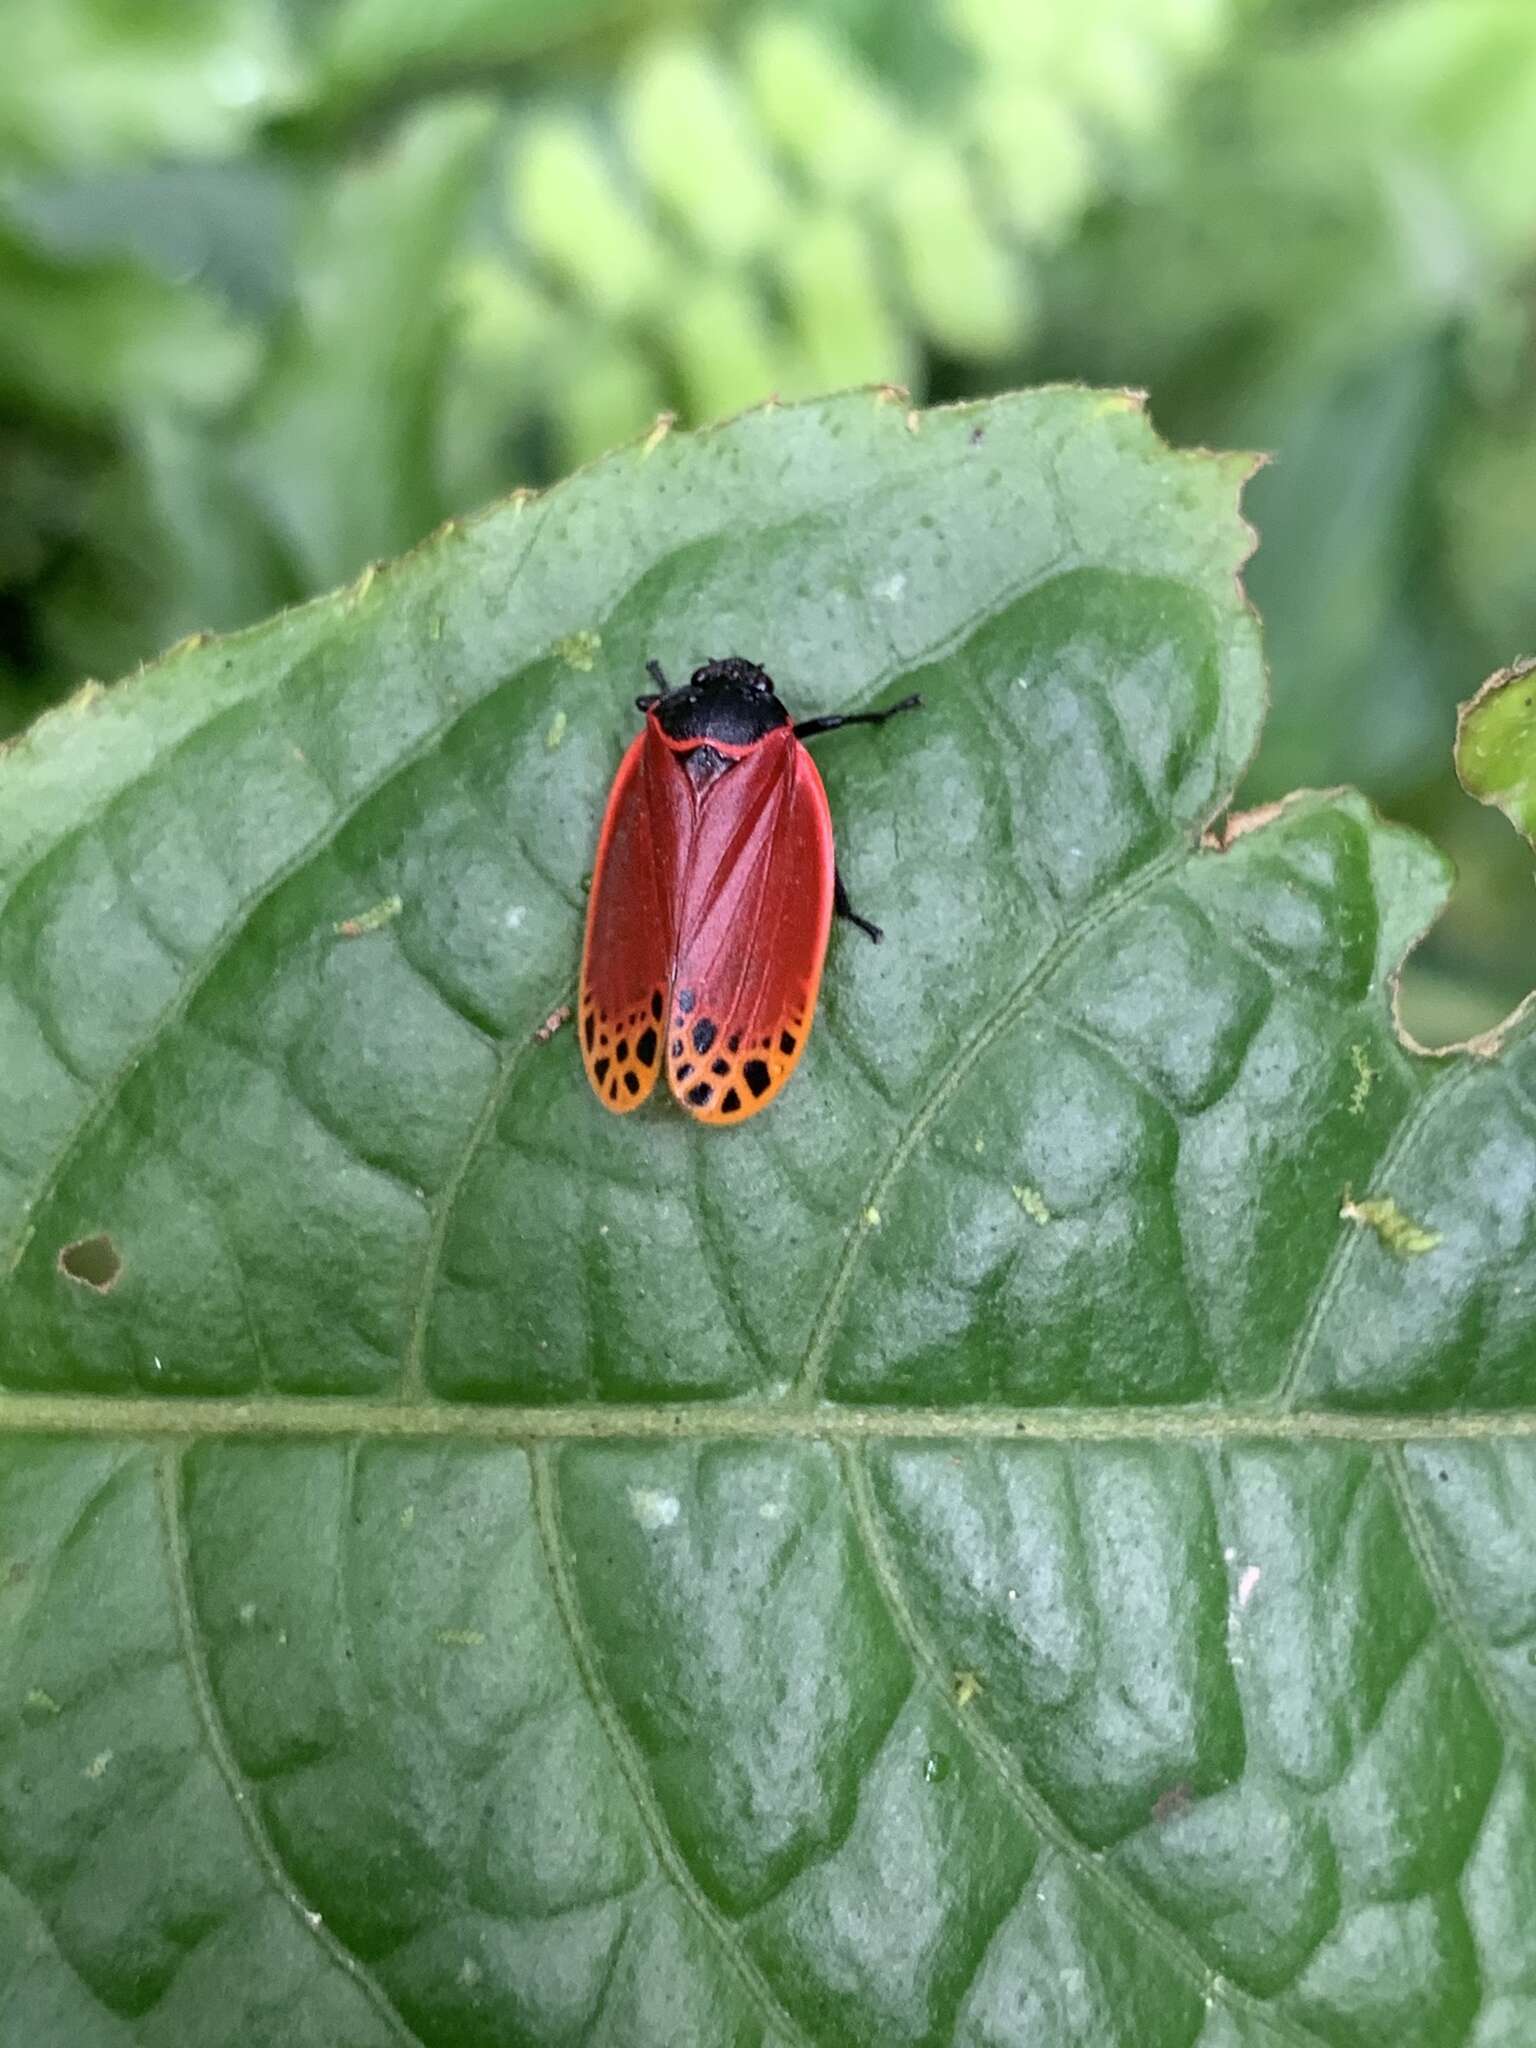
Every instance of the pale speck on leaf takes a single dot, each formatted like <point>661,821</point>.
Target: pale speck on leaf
<point>653,1509</point>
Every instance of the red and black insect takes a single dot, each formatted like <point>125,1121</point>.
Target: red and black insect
<point>712,898</point>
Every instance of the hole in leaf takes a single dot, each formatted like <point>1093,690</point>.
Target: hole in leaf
<point>94,1261</point>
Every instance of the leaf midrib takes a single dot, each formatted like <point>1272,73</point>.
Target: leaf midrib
<point>321,1417</point>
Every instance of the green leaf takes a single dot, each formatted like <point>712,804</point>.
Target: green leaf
<point>337,443</point>
<point>79,340</point>
<point>1496,744</point>
<point>989,1553</point>
<point>370,46</point>
<point>100,81</point>
<point>1335,581</point>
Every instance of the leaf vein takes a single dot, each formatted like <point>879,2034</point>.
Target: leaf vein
<point>413,1387</point>
<point>630,1763</point>
<point>169,1479</point>
<point>1042,1817</point>
<point>1440,1585</point>
<point>101,1104</point>
<point>1347,1243</point>
<point>1007,1014</point>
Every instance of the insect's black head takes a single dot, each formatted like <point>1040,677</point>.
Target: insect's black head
<point>731,700</point>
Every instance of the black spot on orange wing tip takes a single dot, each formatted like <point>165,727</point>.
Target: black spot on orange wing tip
<point>632,1081</point>
<point>730,1102</point>
<point>757,1077</point>
<point>600,1070</point>
<point>787,1043</point>
<point>589,1029</point>
<point>646,1047</point>
<point>699,1095</point>
<point>656,1004</point>
<point>703,1035</point>
<point>720,1067</point>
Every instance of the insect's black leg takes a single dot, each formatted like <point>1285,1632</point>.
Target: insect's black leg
<point>811,728</point>
<point>844,908</point>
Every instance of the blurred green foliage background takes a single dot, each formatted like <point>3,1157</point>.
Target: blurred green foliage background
<point>285,282</point>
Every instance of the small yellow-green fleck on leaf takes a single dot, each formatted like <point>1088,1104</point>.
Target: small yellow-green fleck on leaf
<point>1399,1233</point>
<point>580,649</point>
<point>1365,1075</point>
<point>557,729</point>
<point>461,1638</point>
<point>871,1218</point>
<point>980,1146</point>
<point>97,1767</point>
<point>408,1517</point>
<point>370,920</point>
<point>1032,1202</point>
<point>40,1702</point>
<point>966,1687</point>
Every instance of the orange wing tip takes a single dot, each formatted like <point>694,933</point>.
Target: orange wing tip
<point>723,1076</point>
<point>622,1054</point>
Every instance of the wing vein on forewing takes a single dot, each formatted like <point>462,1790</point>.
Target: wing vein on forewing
<point>666,902</point>
<point>750,958</point>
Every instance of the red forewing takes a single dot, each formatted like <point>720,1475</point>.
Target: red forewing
<point>752,933</point>
<point>631,921</point>
<point>711,903</point>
